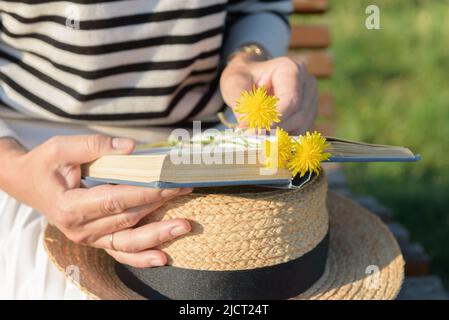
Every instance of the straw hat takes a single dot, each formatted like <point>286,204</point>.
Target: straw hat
<point>252,243</point>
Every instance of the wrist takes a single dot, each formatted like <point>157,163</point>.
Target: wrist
<point>249,53</point>
<point>244,57</point>
<point>11,151</point>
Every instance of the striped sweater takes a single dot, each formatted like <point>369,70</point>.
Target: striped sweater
<point>139,62</point>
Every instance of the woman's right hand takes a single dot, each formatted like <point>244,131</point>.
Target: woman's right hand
<point>48,178</point>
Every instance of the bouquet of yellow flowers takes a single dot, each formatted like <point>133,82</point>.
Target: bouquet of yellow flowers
<point>300,155</point>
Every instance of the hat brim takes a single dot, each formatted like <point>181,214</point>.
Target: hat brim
<point>364,260</point>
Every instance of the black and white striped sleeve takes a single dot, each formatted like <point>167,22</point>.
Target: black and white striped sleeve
<point>262,22</point>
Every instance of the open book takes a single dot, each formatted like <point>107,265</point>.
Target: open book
<point>353,151</point>
<point>220,165</point>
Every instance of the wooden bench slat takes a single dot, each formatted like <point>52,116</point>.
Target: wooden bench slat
<point>319,63</point>
<point>416,260</point>
<point>310,6</point>
<point>310,36</point>
<point>423,288</point>
<point>326,105</point>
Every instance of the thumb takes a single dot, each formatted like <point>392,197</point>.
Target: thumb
<point>233,83</point>
<point>86,148</point>
<point>232,87</point>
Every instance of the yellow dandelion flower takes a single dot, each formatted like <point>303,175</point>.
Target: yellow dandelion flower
<point>279,152</point>
<point>258,108</point>
<point>308,154</point>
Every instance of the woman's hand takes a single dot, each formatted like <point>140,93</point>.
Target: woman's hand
<point>47,178</point>
<point>283,77</point>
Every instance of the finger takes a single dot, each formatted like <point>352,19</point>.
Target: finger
<point>288,86</point>
<point>106,200</point>
<point>303,119</point>
<point>144,259</point>
<point>148,236</point>
<point>299,103</point>
<point>111,224</point>
<point>86,148</point>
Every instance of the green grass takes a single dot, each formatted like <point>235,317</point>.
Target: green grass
<point>391,86</point>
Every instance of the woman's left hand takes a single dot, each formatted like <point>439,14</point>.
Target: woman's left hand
<point>285,78</point>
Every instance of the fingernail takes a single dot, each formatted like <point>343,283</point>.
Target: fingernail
<point>169,192</point>
<point>178,231</point>
<point>185,191</point>
<point>122,143</point>
<point>156,262</point>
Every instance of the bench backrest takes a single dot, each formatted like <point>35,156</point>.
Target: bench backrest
<point>310,42</point>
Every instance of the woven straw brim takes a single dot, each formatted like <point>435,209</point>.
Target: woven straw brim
<point>364,260</point>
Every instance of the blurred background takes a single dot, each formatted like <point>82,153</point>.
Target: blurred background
<point>391,86</point>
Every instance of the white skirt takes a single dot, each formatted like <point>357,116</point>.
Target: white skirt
<point>25,269</point>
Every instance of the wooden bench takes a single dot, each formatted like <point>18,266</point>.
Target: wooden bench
<point>310,43</point>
